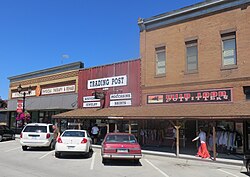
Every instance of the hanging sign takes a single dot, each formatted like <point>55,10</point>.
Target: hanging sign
<point>91,104</point>
<point>90,98</point>
<point>107,82</point>
<point>19,108</point>
<point>121,103</point>
<point>120,96</point>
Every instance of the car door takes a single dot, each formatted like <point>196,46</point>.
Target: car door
<point>7,132</point>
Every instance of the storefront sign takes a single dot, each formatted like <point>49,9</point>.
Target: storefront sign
<point>120,96</point>
<point>91,104</point>
<point>107,82</point>
<point>19,95</point>
<point>202,96</point>
<point>63,89</point>
<point>121,103</point>
<point>90,98</point>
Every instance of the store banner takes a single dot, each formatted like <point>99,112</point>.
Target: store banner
<point>19,108</point>
<point>55,90</point>
<point>201,96</point>
<point>107,82</point>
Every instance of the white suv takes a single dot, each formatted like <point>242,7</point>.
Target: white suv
<point>37,135</point>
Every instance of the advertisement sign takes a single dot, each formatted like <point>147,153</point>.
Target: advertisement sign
<point>120,96</point>
<point>19,108</point>
<point>54,90</point>
<point>90,98</point>
<point>107,82</point>
<point>121,103</point>
<point>19,95</point>
<point>201,96</point>
<point>91,104</point>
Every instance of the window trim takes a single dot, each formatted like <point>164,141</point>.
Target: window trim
<point>227,35</point>
<point>191,43</point>
<point>158,49</point>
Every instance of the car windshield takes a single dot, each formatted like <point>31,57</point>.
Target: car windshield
<point>73,134</point>
<point>35,128</point>
<point>121,138</point>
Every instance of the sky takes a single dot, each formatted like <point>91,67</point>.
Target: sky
<point>40,34</point>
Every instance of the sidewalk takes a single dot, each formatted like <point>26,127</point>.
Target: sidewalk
<point>226,159</point>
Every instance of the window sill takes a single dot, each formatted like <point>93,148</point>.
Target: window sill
<point>229,67</point>
<point>191,72</point>
<point>160,75</point>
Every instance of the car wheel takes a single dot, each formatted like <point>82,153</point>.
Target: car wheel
<point>51,146</point>
<point>1,138</point>
<point>104,160</point>
<point>24,148</point>
<point>57,154</point>
<point>136,161</point>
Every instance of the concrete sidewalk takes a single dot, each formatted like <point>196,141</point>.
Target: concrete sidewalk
<point>190,157</point>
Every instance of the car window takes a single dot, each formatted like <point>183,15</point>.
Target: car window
<point>121,138</point>
<point>73,134</point>
<point>51,130</point>
<point>35,128</point>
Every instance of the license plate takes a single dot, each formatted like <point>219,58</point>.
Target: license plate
<point>71,147</point>
<point>122,150</point>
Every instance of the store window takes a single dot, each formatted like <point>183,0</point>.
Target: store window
<point>191,56</point>
<point>229,49</point>
<point>160,60</point>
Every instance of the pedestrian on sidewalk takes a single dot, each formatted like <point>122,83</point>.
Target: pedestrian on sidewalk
<point>95,132</point>
<point>202,151</point>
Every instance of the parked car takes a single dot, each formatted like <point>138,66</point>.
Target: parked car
<point>120,146</point>
<point>37,135</point>
<point>73,142</point>
<point>6,133</point>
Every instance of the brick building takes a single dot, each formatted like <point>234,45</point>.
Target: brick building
<point>195,71</point>
<point>47,92</point>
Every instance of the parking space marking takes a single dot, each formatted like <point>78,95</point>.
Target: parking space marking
<point>164,174</point>
<point>228,173</point>
<point>46,154</point>
<point>12,149</point>
<point>6,142</point>
<point>93,161</point>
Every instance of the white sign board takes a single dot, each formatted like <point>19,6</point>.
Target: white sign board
<point>121,103</point>
<point>120,96</point>
<point>18,95</point>
<point>63,89</point>
<point>90,98</point>
<point>91,104</point>
<point>107,82</point>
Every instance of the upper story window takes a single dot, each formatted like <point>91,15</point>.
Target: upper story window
<point>160,60</point>
<point>229,49</point>
<point>192,56</point>
<point>246,90</point>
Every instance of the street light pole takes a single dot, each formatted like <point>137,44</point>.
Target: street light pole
<point>19,89</point>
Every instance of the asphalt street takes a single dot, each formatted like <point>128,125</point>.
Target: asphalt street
<point>42,163</point>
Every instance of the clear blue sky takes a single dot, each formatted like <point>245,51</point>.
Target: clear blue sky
<point>34,34</point>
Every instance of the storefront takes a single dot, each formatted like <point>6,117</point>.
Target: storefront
<point>41,94</point>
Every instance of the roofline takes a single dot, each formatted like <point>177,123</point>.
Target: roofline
<point>190,12</point>
<point>48,71</point>
<point>134,59</point>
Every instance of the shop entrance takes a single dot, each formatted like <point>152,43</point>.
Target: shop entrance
<point>190,133</point>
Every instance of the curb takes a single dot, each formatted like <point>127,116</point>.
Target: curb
<point>189,157</point>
